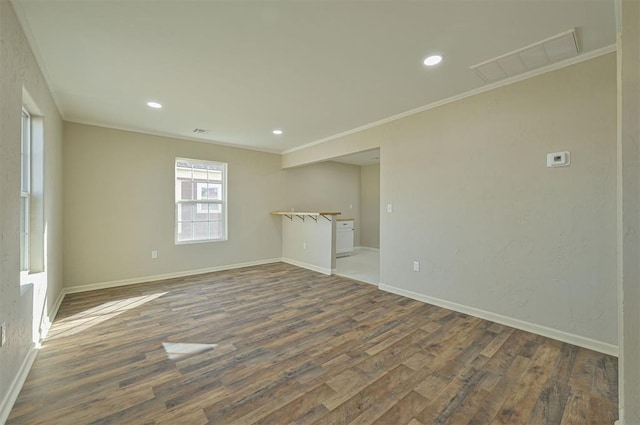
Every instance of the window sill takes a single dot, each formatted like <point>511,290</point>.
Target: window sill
<point>26,282</point>
<point>199,241</point>
<point>30,280</point>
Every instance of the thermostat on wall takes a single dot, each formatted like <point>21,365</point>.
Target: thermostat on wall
<point>558,159</point>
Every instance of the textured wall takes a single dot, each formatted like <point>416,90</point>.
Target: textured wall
<point>22,308</point>
<point>309,243</point>
<point>119,206</point>
<point>370,206</point>
<point>493,227</point>
<point>328,186</point>
<point>629,211</point>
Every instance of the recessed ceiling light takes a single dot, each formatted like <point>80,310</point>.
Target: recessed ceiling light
<point>433,60</point>
<point>154,105</point>
<point>278,132</point>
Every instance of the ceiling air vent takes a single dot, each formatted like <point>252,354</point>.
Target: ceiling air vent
<point>200,131</point>
<point>546,52</point>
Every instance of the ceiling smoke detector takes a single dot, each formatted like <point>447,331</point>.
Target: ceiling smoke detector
<point>546,52</point>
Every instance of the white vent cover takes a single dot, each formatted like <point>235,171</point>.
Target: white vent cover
<point>537,55</point>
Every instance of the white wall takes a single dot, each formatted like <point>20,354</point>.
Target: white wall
<point>18,70</point>
<point>370,206</point>
<point>494,229</point>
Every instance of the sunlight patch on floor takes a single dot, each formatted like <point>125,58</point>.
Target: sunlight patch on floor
<point>182,350</point>
<point>86,319</point>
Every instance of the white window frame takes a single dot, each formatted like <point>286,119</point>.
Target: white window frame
<point>25,190</point>
<point>198,201</point>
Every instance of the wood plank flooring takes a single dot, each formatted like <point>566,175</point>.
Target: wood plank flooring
<point>276,344</point>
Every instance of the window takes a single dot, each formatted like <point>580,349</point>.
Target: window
<point>31,223</point>
<point>201,201</point>
<point>25,189</point>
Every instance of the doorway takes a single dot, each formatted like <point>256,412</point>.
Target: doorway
<point>363,263</point>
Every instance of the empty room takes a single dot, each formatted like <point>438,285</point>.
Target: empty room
<point>319,212</point>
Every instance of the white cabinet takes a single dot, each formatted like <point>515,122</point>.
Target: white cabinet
<point>344,237</point>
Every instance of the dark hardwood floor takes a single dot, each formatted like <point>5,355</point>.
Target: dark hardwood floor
<point>276,344</point>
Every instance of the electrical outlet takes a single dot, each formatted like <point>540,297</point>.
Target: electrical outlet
<point>154,254</point>
<point>416,266</point>
<point>389,208</point>
<point>304,245</point>
<point>3,334</point>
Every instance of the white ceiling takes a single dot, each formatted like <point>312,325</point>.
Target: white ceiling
<point>312,68</point>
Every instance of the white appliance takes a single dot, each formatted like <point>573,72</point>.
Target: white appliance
<point>344,238</point>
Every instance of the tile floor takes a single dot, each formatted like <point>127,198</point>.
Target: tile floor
<point>363,265</point>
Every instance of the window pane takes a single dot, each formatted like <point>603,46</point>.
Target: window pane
<point>183,172</point>
<point>208,191</point>
<point>200,230</point>
<point>214,191</point>
<point>25,152</point>
<point>24,233</point>
<point>199,174</point>
<point>201,211</point>
<point>216,230</point>
<point>201,190</point>
<point>215,212</point>
<point>186,212</point>
<point>215,175</point>
<point>185,190</point>
<point>185,231</point>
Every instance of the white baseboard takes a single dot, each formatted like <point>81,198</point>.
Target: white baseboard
<point>580,341</point>
<point>308,266</point>
<point>25,368</point>
<point>16,385</point>
<point>367,248</point>
<point>144,279</point>
<point>47,319</point>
